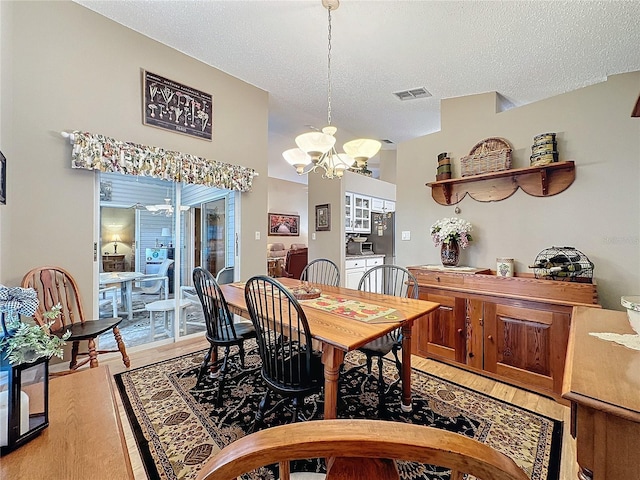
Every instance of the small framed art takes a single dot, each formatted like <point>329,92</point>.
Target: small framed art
<point>323,218</point>
<point>283,224</point>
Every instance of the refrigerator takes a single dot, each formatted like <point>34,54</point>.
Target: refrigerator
<point>383,236</point>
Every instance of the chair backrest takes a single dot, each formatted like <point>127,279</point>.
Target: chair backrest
<point>359,449</point>
<point>157,281</point>
<point>296,261</point>
<point>217,317</point>
<point>54,285</point>
<point>390,280</point>
<point>276,250</point>
<point>284,338</point>
<point>224,275</point>
<point>321,270</point>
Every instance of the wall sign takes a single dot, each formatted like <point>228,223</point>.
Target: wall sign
<point>176,107</point>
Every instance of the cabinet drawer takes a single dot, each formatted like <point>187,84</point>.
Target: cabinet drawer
<point>439,278</point>
<point>372,262</point>
<point>354,263</point>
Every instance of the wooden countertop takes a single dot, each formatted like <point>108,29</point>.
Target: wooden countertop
<point>84,438</point>
<point>602,374</point>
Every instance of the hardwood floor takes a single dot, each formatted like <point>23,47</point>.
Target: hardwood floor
<point>528,400</point>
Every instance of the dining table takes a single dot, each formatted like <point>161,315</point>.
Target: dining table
<point>343,320</point>
<point>125,279</point>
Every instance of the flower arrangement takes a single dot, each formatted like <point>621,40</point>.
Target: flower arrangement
<point>451,229</point>
<point>22,342</point>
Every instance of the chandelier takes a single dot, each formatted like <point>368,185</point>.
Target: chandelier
<point>316,150</point>
<point>164,208</point>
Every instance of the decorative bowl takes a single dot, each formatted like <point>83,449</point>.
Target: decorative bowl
<point>359,239</point>
<point>306,292</point>
<point>632,304</point>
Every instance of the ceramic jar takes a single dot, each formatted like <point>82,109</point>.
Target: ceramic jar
<point>504,267</point>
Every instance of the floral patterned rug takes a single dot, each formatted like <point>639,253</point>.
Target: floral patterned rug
<point>178,428</point>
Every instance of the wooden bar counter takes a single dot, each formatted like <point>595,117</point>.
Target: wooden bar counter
<point>84,438</point>
<point>602,381</point>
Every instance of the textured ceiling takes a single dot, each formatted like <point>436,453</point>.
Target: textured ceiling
<point>526,51</point>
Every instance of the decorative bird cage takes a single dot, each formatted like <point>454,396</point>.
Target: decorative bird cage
<point>564,264</point>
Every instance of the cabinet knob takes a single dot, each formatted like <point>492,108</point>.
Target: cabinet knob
<point>460,331</point>
<point>471,355</point>
<point>490,337</point>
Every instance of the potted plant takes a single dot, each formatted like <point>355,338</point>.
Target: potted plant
<point>22,342</point>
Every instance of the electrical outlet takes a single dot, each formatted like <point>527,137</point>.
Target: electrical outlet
<point>257,235</point>
<point>406,235</point>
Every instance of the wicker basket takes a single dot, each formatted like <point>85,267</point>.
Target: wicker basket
<point>490,155</point>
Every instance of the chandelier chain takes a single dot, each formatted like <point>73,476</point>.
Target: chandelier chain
<point>329,71</point>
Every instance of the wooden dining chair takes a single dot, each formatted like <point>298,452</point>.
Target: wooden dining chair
<point>290,367</point>
<point>221,330</point>
<point>323,271</point>
<point>54,285</point>
<point>360,450</point>
<point>398,282</point>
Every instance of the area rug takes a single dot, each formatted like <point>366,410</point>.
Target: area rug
<point>178,427</point>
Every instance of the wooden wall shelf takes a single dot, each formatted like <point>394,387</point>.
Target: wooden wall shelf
<point>542,181</point>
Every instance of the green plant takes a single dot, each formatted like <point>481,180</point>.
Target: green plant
<point>27,343</point>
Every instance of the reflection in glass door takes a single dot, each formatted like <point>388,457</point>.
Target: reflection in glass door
<point>214,245</point>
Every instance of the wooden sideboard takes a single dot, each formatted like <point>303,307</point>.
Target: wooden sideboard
<point>602,381</point>
<point>513,329</point>
<point>84,438</point>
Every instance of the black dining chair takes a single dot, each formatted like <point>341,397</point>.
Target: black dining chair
<point>290,367</point>
<point>323,271</point>
<point>398,282</point>
<point>221,330</point>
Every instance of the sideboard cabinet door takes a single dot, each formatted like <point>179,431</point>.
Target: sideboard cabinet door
<point>525,344</point>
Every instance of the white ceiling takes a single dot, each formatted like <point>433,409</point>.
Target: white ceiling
<point>524,50</point>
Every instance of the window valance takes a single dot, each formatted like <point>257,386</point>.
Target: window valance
<point>98,152</point>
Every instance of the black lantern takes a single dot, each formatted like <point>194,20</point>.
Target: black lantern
<point>24,398</point>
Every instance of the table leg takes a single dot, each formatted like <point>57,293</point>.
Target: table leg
<point>332,358</point>
<point>405,405</point>
<point>128,287</point>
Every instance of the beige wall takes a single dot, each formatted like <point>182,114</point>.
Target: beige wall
<point>70,68</point>
<point>599,213</point>
<point>290,198</point>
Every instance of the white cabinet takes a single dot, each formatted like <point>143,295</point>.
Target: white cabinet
<point>373,262</point>
<point>377,205</point>
<point>357,216</point>
<point>354,269</point>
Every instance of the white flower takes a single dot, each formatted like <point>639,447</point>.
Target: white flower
<point>448,229</point>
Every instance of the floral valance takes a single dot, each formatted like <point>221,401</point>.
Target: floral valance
<point>98,152</point>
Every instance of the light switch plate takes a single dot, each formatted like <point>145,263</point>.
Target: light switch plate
<point>313,236</point>
<point>406,235</point>
<point>257,235</point>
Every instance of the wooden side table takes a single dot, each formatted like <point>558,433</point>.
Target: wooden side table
<point>602,381</point>
<point>84,438</point>
<point>113,263</point>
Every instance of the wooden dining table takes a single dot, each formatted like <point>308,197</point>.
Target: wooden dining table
<point>339,332</point>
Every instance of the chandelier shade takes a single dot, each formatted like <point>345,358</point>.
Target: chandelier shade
<point>316,150</point>
<point>362,149</point>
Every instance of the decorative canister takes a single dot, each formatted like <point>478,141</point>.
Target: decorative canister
<point>504,267</point>
<point>544,137</point>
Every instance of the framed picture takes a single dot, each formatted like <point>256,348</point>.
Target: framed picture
<point>283,224</point>
<point>3,179</point>
<point>323,218</point>
<point>176,107</point>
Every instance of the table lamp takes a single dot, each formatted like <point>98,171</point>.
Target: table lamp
<point>166,233</point>
<point>116,239</point>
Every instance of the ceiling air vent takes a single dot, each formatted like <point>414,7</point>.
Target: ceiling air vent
<point>413,94</point>
<point>386,140</point>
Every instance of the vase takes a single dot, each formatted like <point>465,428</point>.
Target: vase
<point>450,253</point>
